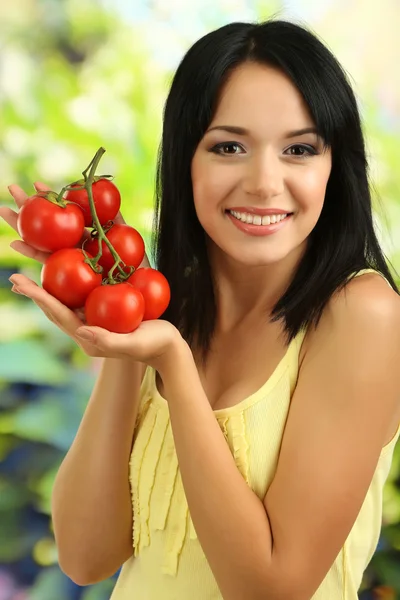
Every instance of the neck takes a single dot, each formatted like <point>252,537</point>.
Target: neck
<point>246,295</point>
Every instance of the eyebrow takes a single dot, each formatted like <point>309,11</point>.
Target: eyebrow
<point>243,131</point>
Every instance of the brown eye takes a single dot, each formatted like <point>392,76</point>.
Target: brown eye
<point>305,151</point>
<point>227,148</point>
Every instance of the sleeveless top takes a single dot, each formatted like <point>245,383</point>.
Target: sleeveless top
<point>168,561</point>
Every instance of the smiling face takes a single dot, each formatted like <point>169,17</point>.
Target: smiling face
<point>251,163</point>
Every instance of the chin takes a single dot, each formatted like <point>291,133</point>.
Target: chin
<point>257,259</point>
<point>261,261</point>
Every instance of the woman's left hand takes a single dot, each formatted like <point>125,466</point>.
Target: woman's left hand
<point>156,343</point>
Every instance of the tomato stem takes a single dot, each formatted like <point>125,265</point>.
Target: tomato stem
<point>89,179</point>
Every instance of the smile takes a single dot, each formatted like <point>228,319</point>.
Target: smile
<point>252,219</point>
<point>257,225</point>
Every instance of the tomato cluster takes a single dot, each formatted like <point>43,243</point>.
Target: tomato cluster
<point>97,269</point>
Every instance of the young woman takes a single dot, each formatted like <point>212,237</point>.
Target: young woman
<point>245,438</point>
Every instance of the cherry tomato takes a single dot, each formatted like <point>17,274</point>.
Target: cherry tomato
<point>48,226</point>
<point>155,290</point>
<point>68,278</point>
<point>117,307</point>
<point>107,200</point>
<point>127,242</point>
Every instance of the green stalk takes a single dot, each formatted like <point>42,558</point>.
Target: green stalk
<point>89,180</point>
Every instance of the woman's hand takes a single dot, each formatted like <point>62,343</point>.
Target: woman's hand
<point>156,343</point>
<point>11,217</point>
<point>153,343</point>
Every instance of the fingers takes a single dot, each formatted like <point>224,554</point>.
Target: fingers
<point>41,187</point>
<point>53,309</point>
<point>108,342</point>
<point>18,194</point>
<point>10,216</point>
<point>21,281</point>
<point>29,251</point>
<point>80,313</point>
<point>145,262</point>
<point>119,219</point>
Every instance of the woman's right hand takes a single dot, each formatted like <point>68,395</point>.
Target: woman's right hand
<point>67,320</point>
<point>11,217</point>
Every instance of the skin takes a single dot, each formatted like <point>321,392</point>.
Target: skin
<point>262,168</point>
<point>345,407</point>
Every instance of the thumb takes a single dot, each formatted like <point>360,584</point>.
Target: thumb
<point>104,339</point>
<point>92,334</point>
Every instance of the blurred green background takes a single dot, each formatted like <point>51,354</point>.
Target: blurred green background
<point>79,74</point>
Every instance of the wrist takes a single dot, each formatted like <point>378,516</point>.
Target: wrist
<point>175,359</point>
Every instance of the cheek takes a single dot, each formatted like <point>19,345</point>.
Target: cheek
<point>309,189</point>
<point>207,195</point>
<point>211,183</point>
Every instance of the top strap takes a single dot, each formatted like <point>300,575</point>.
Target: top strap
<point>368,270</point>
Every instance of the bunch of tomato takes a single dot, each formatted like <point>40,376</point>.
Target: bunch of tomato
<point>93,262</point>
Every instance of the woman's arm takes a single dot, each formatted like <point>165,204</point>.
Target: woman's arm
<point>342,410</point>
<point>91,501</point>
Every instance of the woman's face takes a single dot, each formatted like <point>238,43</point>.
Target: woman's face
<point>251,168</point>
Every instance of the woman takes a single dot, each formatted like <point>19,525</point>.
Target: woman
<point>245,438</point>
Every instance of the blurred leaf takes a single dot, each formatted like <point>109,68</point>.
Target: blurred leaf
<point>388,570</point>
<point>31,362</point>
<point>98,79</point>
<point>48,420</point>
<point>100,591</point>
<point>51,584</point>
<point>16,540</point>
<point>12,497</point>
<point>43,488</point>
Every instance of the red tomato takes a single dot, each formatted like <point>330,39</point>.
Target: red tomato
<point>50,227</point>
<point>68,278</point>
<point>107,200</point>
<point>155,290</point>
<point>117,307</point>
<point>127,242</point>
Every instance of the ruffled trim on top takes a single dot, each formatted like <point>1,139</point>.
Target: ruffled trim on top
<point>238,442</point>
<point>156,481</point>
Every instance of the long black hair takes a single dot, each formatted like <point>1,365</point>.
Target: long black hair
<point>343,240</point>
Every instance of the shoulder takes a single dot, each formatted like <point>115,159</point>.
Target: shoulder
<point>343,411</point>
<point>369,294</point>
<point>354,352</point>
<point>367,308</point>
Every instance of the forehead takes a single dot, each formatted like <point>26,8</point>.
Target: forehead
<point>259,97</point>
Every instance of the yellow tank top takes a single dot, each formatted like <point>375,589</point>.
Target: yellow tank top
<point>168,561</point>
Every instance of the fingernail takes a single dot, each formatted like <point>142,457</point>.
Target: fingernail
<point>85,334</point>
<point>16,290</point>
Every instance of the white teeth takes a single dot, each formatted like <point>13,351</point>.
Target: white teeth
<point>257,219</point>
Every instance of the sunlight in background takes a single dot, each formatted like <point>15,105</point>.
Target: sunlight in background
<point>78,74</point>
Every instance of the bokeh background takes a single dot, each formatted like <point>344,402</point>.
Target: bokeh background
<point>79,74</point>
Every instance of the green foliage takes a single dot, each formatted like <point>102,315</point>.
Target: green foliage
<point>76,77</point>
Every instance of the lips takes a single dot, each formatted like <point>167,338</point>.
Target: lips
<point>253,210</point>
<point>252,229</point>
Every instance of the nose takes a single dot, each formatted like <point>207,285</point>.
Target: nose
<point>263,176</point>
